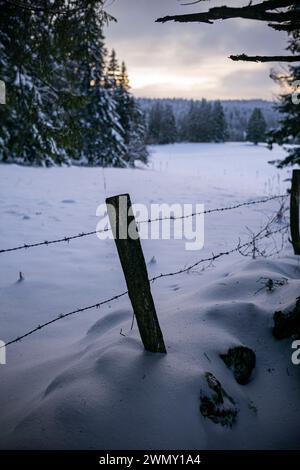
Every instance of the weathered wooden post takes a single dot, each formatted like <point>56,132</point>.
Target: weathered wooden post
<point>294,214</point>
<point>130,252</point>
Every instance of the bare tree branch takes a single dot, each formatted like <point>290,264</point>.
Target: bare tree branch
<point>281,15</point>
<point>288,27</point>
<point>260,58</point>
<point>262,12</point>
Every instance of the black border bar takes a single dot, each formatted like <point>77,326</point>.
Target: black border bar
<point>91,458</point>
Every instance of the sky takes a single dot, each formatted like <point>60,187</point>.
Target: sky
<point>190,60</point>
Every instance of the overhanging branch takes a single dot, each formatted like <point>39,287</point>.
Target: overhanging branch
<point>260,58</point>
<point>288,27</point>
<point>262,12</point>
<point>281,15</point>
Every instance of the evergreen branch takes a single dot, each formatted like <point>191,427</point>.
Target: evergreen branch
<point>52,11</point>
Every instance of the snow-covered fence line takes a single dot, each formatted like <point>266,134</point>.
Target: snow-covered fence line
<point>264,233</point>
<point>67,239</point>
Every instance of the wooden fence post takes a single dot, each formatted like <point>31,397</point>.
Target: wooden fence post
<point>135,271</point>
<point>294,214</point>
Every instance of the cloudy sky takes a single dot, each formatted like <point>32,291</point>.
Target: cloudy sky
<point>190,60</point>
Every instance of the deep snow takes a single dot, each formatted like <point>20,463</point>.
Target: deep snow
<point>79,383</point>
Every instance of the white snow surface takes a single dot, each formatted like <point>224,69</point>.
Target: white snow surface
<point>80,384</point>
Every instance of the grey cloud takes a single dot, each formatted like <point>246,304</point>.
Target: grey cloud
<point>249,82</point>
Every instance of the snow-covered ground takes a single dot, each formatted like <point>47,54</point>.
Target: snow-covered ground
<point>81,384</point>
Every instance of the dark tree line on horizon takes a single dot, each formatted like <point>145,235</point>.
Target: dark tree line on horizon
<point>204,121</point>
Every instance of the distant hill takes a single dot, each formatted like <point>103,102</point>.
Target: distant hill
<point>237,113</point>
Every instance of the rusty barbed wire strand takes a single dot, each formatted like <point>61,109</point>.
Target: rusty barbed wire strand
<point>152,280</point>
<point>67,239</point>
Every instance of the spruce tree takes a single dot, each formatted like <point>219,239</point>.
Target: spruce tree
<point>205,123</point>
<point>136,146</point>
<point>219,124</point>
<point>256,130</point>
<point>100,139</point>
<point>154,124</point>
<point>162,126</point>
<point>130,116</point>
<point>31,120</point>
<point>113,73</point>
<point>198,126</point>
<point>168,130</point>
<point>58,107</point>
<point>188,124</point>
<point>288,131</point>
<point>132,120</point>
<point>118,83</point>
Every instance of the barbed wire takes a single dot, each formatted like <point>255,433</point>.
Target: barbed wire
<point>212,258</point>
<point>219,255</point>
<point>218,209</point>
<point>67,239</point>
<point>52,242</point>
<point>64,315</point>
